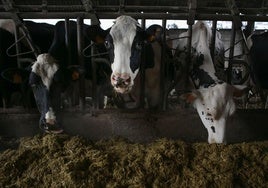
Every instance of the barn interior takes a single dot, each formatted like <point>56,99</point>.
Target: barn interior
<point>138,124</point>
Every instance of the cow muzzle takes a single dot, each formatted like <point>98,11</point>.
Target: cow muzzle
<point>121,83</point>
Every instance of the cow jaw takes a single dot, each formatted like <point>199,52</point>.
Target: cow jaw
<point>215,128</point>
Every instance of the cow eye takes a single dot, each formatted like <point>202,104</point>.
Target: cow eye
<point>139,45</point>
<point>107,44</point>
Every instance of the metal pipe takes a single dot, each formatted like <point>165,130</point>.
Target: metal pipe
<point>67,40</point>
<point>94,79</point>
<point>80,44</point>
<point>231,53</point>
<point>113,15</point>
<point>142,78</point>
<point>17,45</point>
<point>213,40</point>
<point>189,50</point>
<point>163,99</point>
<point>100,8</point>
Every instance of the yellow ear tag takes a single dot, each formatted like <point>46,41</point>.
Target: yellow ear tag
<point>151,38</point>
<point>75,75</point>
<point>17,79</point>
<point>99,39</point>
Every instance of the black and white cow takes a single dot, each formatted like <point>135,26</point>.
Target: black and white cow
<point>258,45</point>
<point>8,63</point>
<point>15,74</point>
<point>131,47</point>
<point>51,76</point>
<point>212,97</point>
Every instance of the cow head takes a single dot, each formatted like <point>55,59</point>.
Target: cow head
<point>214,105</point>
<point>212,98</point>
<point>125,44</point>
<point>48,81</point>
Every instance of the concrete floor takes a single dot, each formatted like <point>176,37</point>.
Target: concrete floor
<point>140,126</point>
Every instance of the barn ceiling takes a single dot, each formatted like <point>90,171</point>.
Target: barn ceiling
<point>158,9</point>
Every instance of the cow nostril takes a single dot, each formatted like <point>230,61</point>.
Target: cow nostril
<point>113,77</point>
<point>127,80</point>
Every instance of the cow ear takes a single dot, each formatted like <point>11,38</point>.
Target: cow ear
<point>76,71</point>
<point>188,97</point>
<point>15,75</point>
<point>99,39</point>
<point>96,33</point>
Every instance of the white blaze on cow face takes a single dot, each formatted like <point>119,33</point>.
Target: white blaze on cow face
<point>123,33</point>
<point>45,67</point>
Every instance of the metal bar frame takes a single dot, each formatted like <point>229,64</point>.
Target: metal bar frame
<point>86,11</point>
<point>80,44</point>
<point>113,15</point>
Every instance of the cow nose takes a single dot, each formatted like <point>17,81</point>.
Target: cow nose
<point>121,81</point>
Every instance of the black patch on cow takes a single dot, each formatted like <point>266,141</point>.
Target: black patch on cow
<point>140,50</point>
<point>259,57</point>
<point>199,76</point>
<point>58,49</point>
<point>34,79</point>
<point>42,34</point>
<point>213,129</point>
<point>136,51</point>
<point>109,44</point>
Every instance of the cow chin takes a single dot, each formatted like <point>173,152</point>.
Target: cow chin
<point>123,90</point>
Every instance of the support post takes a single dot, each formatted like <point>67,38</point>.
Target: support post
<point>190,21</point>
<point>80,44</point>
<point>163,89</point>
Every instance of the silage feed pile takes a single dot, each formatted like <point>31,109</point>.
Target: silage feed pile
<point>66,161</point>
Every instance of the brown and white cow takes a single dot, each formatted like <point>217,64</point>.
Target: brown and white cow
<point>129,47</point>
<point>212,97</point>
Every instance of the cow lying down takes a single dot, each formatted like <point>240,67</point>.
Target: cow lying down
<point>212,98</point>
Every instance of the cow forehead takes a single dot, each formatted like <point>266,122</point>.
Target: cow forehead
<point>216,99</point>
<point>124,29</point>
<point>218,91</point>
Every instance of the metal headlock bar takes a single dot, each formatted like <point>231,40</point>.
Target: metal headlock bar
<point>236,25</point>
<point>88,9</point>
<point>88,6</point>
<point>190,21</point>
<point>8,5</point>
